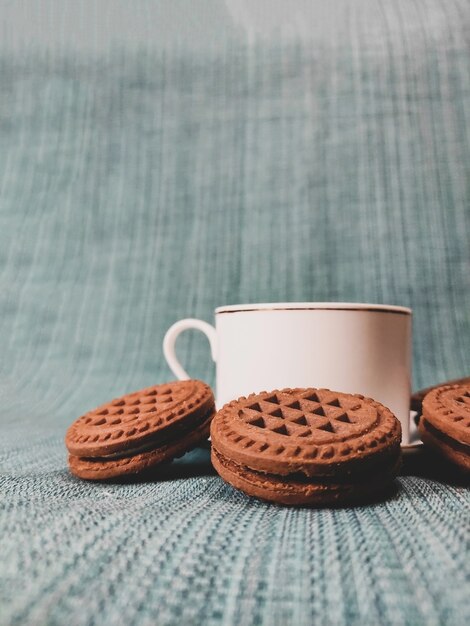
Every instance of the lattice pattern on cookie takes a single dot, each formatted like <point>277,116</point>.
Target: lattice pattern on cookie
<point>452,404</point>
<point>138,415</point>
<point>311,414</point>
<point>464,400</point>
<point>304,426</point>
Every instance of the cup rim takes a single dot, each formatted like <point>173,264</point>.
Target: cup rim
<point>313,306</point>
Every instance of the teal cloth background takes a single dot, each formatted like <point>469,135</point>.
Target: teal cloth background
<point>158,160</point>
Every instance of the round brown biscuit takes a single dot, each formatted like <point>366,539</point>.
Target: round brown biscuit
<point>161,413</point>
<point>291,492</point>
<point>108,468</point>
<point>318,432</point>
<point>417,397</point>
<point>445,424</point>
<point>447,409</point>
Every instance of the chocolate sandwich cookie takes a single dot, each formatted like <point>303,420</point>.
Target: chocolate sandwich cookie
<point>306,446</point>
<point>140,430</point>
<point>445,423</point>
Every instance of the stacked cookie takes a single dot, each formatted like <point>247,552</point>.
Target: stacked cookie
<point>445,423</point>
<point>306,446</point>
<point>140,430</point>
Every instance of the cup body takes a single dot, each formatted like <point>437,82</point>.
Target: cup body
<point>355,348</point>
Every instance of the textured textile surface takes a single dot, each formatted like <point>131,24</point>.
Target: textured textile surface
<point>158,160</point>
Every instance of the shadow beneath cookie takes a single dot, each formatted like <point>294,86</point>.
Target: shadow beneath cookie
<point>390,492</point>
<point>386,494</point>
<point>192,464</point>
<point>427,464</point>
<point>239,497</point>
<point>195,463</point>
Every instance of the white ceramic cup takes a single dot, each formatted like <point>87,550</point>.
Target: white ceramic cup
<point>355,348</point>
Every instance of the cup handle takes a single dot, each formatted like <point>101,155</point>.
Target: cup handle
<point>170,340</point>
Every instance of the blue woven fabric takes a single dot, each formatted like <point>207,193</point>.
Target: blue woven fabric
<point>157,161</point>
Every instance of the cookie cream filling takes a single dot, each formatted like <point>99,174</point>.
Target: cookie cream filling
<point>389,467</point>
<point>154,444</point>
<point>456,444</point>
<point>129,452</point>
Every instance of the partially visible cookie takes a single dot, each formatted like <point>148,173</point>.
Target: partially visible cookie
<point>140,430</point>
<point>445,423</point>
<point>306,446</point>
